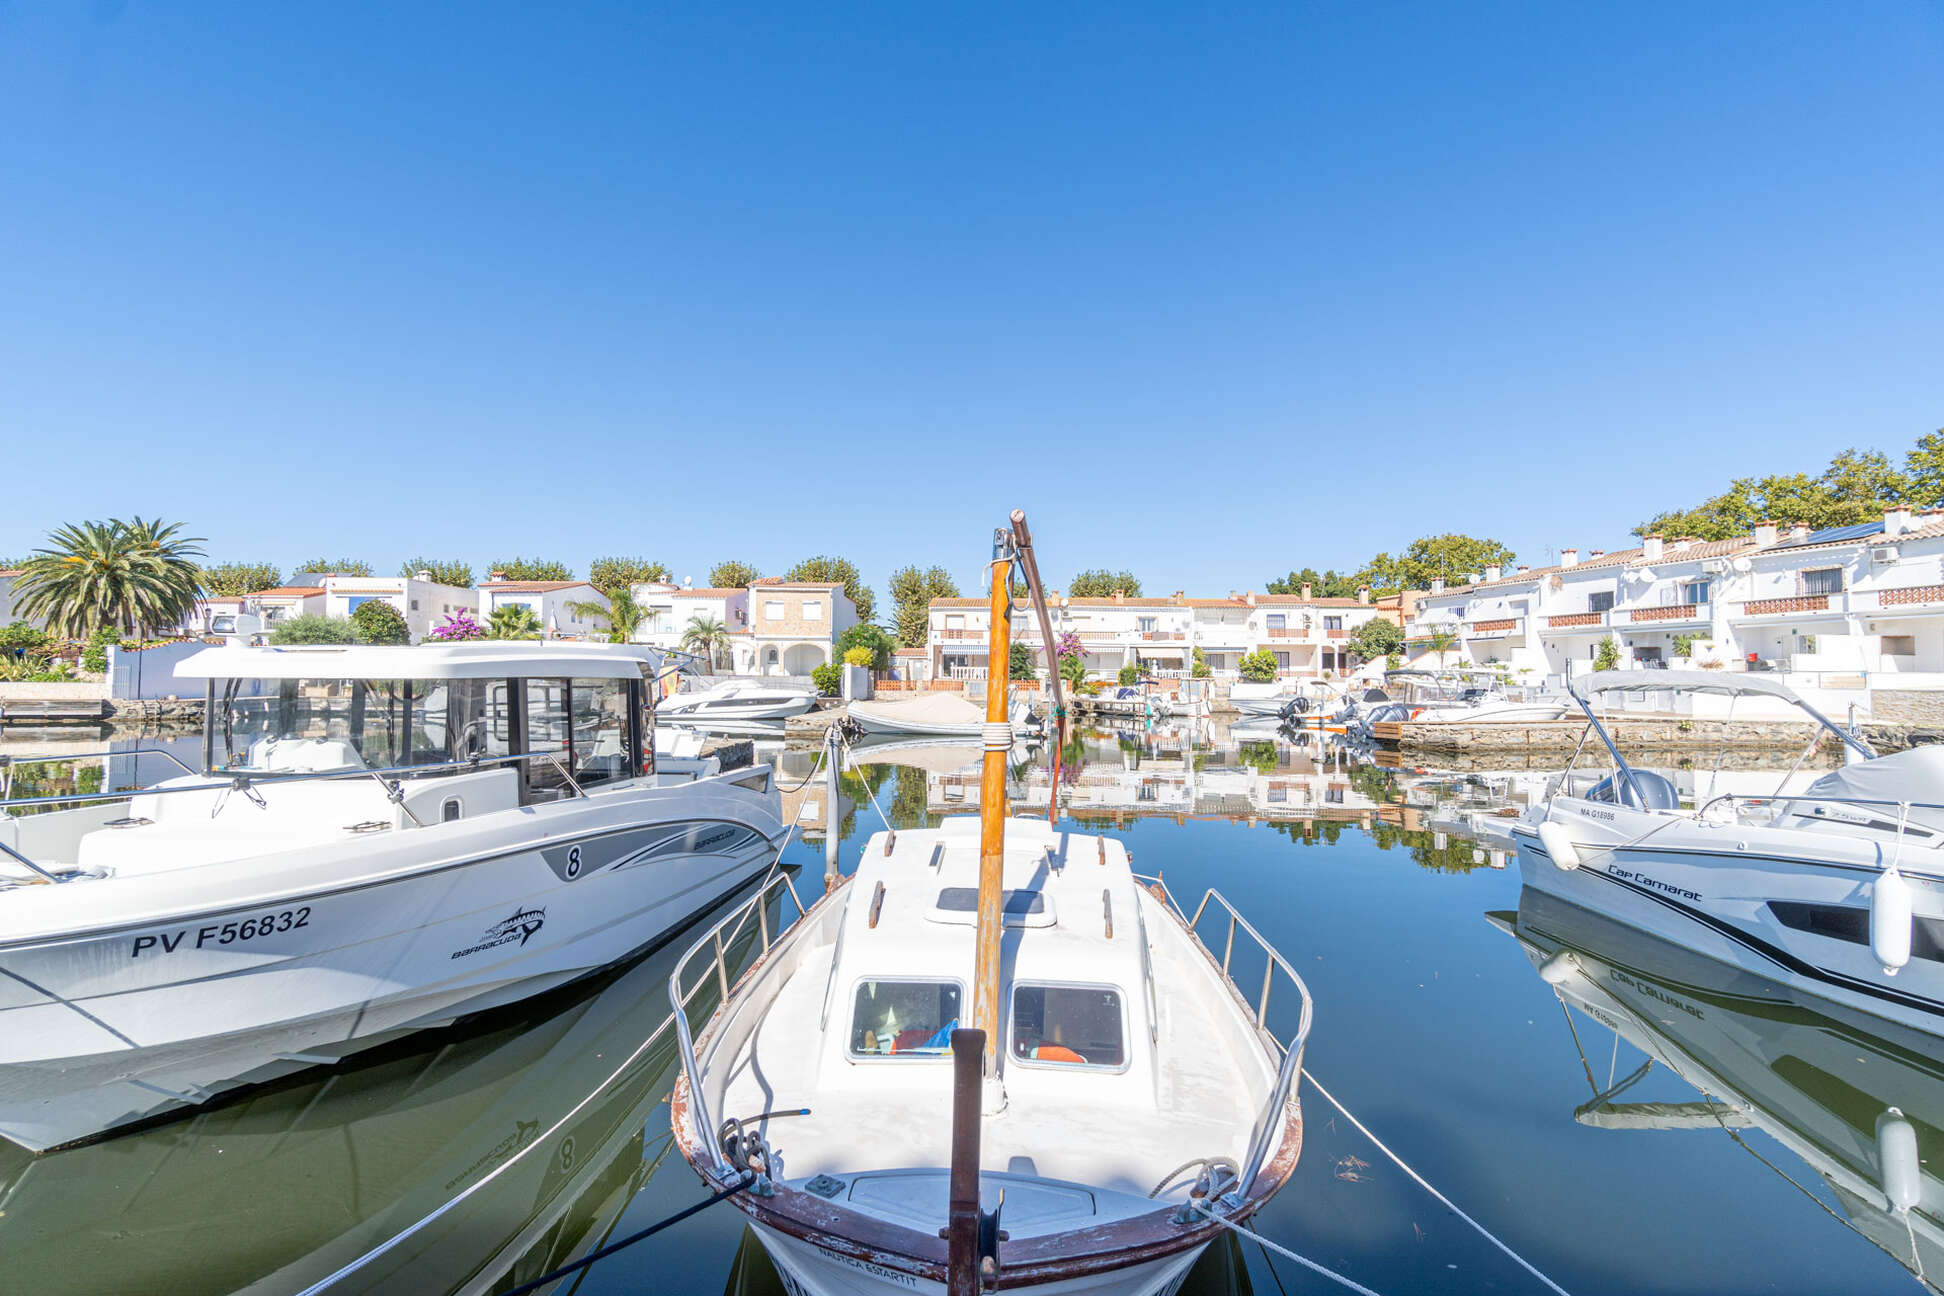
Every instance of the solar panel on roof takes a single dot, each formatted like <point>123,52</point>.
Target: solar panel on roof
<point>1856,532</point>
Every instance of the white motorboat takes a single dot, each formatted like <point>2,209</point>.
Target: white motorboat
<point>1835,889</point>
<point>1846,1093</point>
<point>1461,696</point>
<point>1116,1091</point>
<point>387,838</point>
<point>736,700</point>
<point>1265,699</point>
<point>938,715</point>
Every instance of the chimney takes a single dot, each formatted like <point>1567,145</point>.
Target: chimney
<point>1437,584</point>
<point>1765,532</point>
<point>1181,594</point>
<point>1568,557</point>
<point>1896,521</point>
<point>1798,530</point>
<point>1596,555</point>
<point>1249,598</point>
<point>1306,591</point>
<point>1363,593</point>
<point>495,577</point>
<point>422,574</point>
<point>1685,543</point>
<point>1651,548</point>
<point>1492,574</point>
<point>1521,569</point>
<point>1120,597</point>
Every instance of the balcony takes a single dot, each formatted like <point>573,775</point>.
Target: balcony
<point>1163,636</point>
<point>1576,621</point>
<point>1285,632</point>
<point>1670,612</point>
<point>977,633</point>
<point>1497,628</point>
<point>1920,597</point>
<point>1786,606</point>
<point>1335,632</point>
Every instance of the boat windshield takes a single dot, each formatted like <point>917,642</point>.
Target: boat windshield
<point>905,1018</point>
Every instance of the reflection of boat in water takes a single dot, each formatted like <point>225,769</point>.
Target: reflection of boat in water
<point>303,1178</point>
<point>1857,1098</point>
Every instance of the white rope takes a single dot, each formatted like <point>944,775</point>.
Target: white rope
<point>1425,1184</point>
<point>330,1280</point>
<point>1284,1251</point>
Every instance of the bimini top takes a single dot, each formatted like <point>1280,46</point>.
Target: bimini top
<point>1682,681</point>
<point>478,659</point>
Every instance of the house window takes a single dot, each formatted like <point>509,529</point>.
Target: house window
<point>414,605</point>
<point>1600,601</point>
<point>1282,661</point>
<point>1145,625</point>
<point>1333,623</point>
<point>1277,621</point>
<point>1900,645</point>
<point>1823,580</point>
<point>772,609</point>
<point>1694,592</point>
<point>812,610</point>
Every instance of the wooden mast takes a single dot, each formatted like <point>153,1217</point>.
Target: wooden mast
<point>992,802</point>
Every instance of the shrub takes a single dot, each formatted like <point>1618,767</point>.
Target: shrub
<point>1130,674</point>
<point>1258,667</point>
<point>378,622</point>
<point>1607,656</point>
<point>315,630</point>
<point>1684,644</point>
<point>95,656</point>
<point>859,656</point>
<point>1023,665</point>
<point>513,621</point>
<point>829,679</point>
<point>457,626</point>
<point>1074,670</point>
<point>1201,670</point>
<point>19,637</point>
<point>866,635</point>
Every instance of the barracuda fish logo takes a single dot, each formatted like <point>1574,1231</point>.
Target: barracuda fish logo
<point>519,926</point>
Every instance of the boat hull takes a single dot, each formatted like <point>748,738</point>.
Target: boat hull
<point>811,1270</point>
<point>1720,903</point>
<point>102,1026</point>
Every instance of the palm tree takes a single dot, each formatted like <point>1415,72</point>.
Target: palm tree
<point>128,576</point>
<point>513,621</point>
<point>1441,642</point>
<point>707,636</point>
<point>623,615</point>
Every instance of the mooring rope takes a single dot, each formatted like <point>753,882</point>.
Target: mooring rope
<point>1285,1252</point>
<point>1425,1184</point>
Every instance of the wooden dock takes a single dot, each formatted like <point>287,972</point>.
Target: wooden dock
<point>54,711</point>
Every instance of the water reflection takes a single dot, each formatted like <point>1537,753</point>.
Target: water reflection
<point>1857,1100</point>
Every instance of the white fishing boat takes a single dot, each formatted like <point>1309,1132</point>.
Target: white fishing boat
<point>1846,1093</point>
<point>941,715</point>
<point>1117,1090</point>
<point>381,839</point>
<point>736,700</point>
<point>1462,696</point>
<point>1836,889</point>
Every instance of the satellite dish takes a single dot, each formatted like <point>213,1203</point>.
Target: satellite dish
<point>1645,575</point>
<point>1743,565</point>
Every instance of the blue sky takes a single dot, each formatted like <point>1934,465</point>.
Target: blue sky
<point>1211,291</point>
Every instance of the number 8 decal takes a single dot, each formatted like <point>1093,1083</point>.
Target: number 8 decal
<point>573,862</point>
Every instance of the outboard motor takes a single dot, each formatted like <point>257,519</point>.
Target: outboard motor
<point>1646,790</point>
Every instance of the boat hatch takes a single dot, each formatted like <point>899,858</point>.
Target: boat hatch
<point>1017,908</point>
<point>918,1199</point>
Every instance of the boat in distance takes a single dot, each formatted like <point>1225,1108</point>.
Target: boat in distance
<point>380,839</point>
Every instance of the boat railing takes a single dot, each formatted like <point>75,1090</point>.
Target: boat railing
<point>716,943</point>
<point>1738,802</point>
<point>1268,1126</point>
<point>245,782</point>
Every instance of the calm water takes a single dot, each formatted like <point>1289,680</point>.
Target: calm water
<point>1390,890</point>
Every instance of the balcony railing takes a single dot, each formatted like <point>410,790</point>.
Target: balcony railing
<point>1492,627</point>
<point>1285,632</point>
<point>1780,606</point>
<point>1670,612</point>
<point>1336,632</point>
<point>1910,596</point>
<point>1570,620</point>
<point>1163,636</point>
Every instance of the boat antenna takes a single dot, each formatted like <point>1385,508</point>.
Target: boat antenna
<point>992,802</point>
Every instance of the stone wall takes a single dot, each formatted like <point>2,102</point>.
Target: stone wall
<point>1561,736</point>
<point>1923,707</point>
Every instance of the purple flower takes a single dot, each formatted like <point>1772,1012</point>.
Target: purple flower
<point>457,625</point>
<point>1068,645</point>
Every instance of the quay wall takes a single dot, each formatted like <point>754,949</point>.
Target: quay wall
<point>1561,736</point>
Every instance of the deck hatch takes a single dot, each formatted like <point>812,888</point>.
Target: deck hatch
<point>1018,907</point>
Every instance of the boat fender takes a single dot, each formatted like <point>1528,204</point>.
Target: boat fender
<point>1897,1162</point>
<point>1559,968</point>
<point>1890,920</point>
<point>1558,845</point>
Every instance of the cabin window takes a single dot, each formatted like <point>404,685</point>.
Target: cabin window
<point>1068,1025</point>
<point>311,725</point>
<point>600,744</point>
<point>451,810</point>
<point>910,1019</point>
<point>546,731</point>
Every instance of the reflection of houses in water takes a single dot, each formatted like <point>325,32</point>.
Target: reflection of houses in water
<point>1858,1099</point>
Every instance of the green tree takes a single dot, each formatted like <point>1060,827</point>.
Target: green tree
<point>1201,670</point>
<point>1607,656</point>
<point>1130,674</point>
<point>513,621</point>
<point>825,567</point>
<point>1328,585</point>
<point>1923,468</point>
<point>318,568</point>
<point>1856,487</point>
<point>1101,583</point>
<point>912,591</point>
<point>1450,557</point>
<point>235,579</point>
<point>315,630</point>
<point>1376,638</point>
<point>1022,664</point>
<point>623,615</point>
<point>134,575</point>
<point>1441,642</point>
<point>733,575</point>
<point>866,635</point>
<point>533,569</point>
<point>1258,667</point>
<point>610,574</point>
<point>455,573</point>
<point>829,678</point>
<point>378,622</point>
<point>707,637</point>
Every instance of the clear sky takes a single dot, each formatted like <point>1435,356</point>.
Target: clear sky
<point>1211,291</point>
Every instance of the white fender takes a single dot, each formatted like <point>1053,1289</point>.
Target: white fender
<point>1558,845</point>
<point>1897,1162</point>
<point>1890,920</point>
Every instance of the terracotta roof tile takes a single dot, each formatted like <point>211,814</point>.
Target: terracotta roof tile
<point>706,593</point>
<point>532,587</point>
<point>289,591</point>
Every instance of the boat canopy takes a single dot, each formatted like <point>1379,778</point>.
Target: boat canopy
<point>478,659</point>
<point>1680,681</point>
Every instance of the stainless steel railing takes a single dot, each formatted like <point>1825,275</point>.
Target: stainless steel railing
<point>681,995</point>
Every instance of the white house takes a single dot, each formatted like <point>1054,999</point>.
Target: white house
<point>670,608</point>
<point>793,626</point>
<point>422,601</point>
<point>553,602</point>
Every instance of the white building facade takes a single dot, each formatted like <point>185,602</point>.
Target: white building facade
<point>793,626</point>
<point>669,611</point>
<point>554,603</point>
<point>423,602</point>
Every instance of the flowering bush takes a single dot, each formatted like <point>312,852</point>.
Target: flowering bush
<point>1068,645</point>
<point>457,625</point>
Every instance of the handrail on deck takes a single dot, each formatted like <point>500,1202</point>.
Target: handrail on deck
<point>1292,1064</point>
<point>679,995</point>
